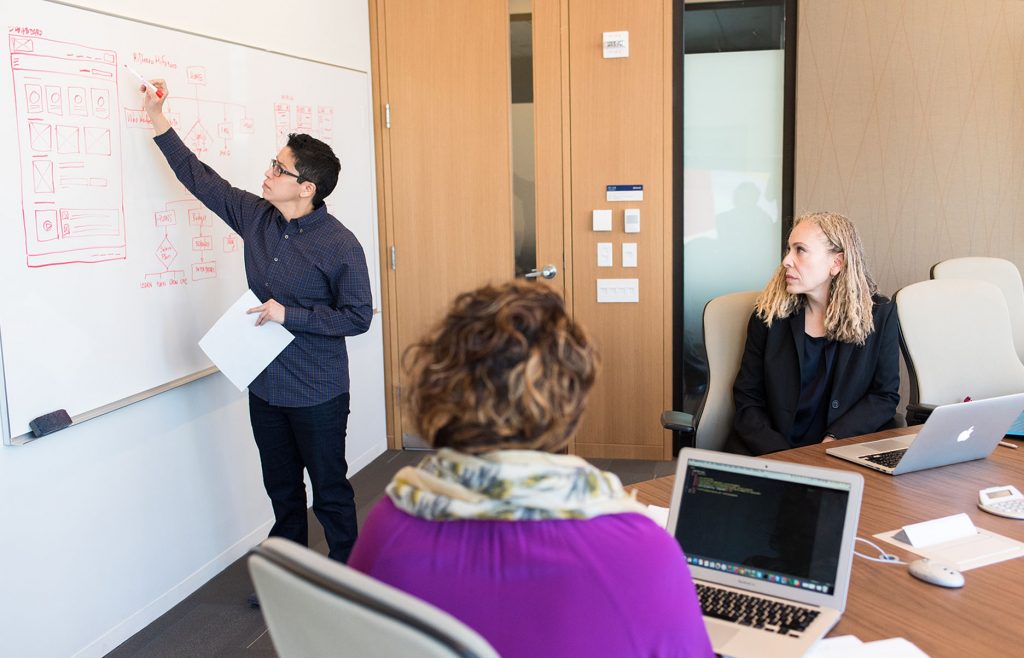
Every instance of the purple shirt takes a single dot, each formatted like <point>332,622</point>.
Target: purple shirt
<point>615,585</point>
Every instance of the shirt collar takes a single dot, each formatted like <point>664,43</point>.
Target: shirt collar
<point>307,222</point>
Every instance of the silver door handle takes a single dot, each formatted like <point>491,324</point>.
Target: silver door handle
<point>548,272</point>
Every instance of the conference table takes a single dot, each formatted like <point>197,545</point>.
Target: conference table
<point>984,618</point>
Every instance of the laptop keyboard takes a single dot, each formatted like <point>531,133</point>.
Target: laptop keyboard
<point>889,459</point>
<point>772,616</point>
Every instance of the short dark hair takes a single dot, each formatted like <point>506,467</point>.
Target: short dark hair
<point>315,161</point>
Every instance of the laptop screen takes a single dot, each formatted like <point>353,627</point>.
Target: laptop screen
<point>777,527</point>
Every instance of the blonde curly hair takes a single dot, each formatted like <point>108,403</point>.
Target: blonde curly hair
<point>506,368</point>
<point>848,316</point>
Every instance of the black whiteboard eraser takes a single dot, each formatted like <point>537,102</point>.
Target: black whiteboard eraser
<point>50,423</point>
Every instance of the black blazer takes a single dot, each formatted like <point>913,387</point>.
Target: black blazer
<point>865,382</point>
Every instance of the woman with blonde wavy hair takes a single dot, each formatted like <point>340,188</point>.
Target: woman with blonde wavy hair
<point>821,360</point>
<point>542,554</point>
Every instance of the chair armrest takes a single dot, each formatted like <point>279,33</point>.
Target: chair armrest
<point>918,413</point>
<point>677,421</point>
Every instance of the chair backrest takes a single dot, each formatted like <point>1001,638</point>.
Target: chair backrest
<point>955,337</point>
<point>725,335</point>
<point>314,606</point>
<point>998,271</point>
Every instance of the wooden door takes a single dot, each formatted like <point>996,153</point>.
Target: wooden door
<point>443,85</point>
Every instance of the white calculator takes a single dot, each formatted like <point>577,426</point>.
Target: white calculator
<point>1002,501</point>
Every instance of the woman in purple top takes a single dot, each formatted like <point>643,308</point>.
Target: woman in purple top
<point>542,554</point>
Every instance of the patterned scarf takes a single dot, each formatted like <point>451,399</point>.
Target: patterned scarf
<point>509,485</point>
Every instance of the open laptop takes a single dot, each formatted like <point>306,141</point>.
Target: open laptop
<point>952,434</point>
<point>769,545</point>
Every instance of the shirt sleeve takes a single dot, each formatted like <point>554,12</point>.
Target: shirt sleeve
<point>231,204</point>
<point>352,311</point>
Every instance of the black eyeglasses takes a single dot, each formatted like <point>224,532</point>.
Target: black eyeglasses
<point>278,170</point>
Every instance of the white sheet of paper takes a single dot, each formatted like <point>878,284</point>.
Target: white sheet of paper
<point>848,646</point>
<point>658,514</point>
<point>238,347</point>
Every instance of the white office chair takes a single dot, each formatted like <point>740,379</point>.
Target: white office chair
<point>956,340</point>
<point>998,271</point>
<point>314,607</point>
<point>725,335</point>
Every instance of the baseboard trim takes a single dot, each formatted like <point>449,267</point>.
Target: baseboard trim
<point>112,638</point>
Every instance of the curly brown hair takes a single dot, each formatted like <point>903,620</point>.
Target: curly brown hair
<point>506,368</point>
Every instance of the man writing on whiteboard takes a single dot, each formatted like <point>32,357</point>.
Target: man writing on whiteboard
<point>310,273</point>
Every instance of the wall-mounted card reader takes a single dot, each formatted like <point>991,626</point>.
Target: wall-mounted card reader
<point>632,220</point>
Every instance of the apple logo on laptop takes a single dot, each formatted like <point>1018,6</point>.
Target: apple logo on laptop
<point>966,434</point>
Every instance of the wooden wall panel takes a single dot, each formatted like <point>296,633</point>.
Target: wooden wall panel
<point>619,135</point>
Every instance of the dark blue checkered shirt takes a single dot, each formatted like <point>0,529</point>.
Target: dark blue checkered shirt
<point>312,265</point>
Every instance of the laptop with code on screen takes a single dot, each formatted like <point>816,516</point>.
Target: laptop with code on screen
<point>769,545</point>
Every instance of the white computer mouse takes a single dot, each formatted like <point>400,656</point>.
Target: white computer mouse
<point>936,573</point>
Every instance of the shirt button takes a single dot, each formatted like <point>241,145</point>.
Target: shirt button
<point>835,404</point>
<point>275,260</point>
<point>285,236</point>
<point>300,230</point>
<point>266,285</point>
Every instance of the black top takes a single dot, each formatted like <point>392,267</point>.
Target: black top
<point>809,425</point>
<point>864,384</point>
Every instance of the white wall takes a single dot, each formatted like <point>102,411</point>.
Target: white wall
<point>107,525</point>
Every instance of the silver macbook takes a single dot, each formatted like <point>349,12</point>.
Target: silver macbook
<point>952,434</point>
<point>769,545</point>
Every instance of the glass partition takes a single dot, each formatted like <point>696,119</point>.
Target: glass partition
<point>733,105</point>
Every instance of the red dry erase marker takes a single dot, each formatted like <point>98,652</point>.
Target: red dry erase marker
<point>149,85</point>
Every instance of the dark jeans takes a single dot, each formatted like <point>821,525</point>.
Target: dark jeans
<point>290,438</point>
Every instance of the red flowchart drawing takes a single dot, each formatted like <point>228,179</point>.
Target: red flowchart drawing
<point>205,270</point>
<point>196,217</point>
<point>165,252</point>
<point>322,129</point>
<point>69,146</point>
<point>196,75</point>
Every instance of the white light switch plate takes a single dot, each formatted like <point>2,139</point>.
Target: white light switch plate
<point>605,254</point>
<point>602,220</point>
<point>629,254</point>
<point>618,291</point>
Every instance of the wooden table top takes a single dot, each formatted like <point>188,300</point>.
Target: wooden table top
<point>981,619</point>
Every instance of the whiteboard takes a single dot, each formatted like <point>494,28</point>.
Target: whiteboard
<point>111,271</point>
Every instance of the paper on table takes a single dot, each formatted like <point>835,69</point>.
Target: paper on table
<point>954,540</point>
<point>848,646</point>
<point>658,514</point>
<point>238,347</point>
